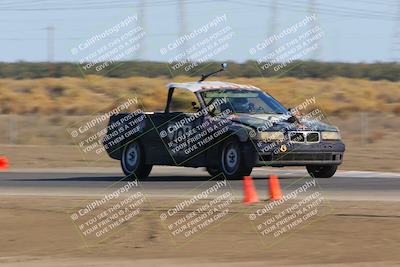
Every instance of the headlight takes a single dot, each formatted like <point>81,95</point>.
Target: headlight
<point>271,136</point>
<point>330,136</point>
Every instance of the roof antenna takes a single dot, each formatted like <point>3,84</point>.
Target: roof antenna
<point>224,66</point>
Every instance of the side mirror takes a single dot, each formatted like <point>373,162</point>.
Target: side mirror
<point>194,106</point>
<point>292,119</point>
<point>295,116</point>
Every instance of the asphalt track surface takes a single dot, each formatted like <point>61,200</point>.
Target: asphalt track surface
<point>178,182</point>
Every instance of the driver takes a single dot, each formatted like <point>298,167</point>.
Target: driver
<point>240,104</point>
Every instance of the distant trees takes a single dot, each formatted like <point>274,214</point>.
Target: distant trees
<point>299,69</point>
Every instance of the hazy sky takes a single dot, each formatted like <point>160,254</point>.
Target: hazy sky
<point>354,31</point>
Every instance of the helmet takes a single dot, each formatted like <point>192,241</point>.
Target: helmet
<point>240,104</point>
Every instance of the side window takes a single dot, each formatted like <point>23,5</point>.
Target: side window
<point>182,101</point>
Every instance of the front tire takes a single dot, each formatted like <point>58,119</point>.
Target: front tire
<point>132,162</point>
<point>324,171</point>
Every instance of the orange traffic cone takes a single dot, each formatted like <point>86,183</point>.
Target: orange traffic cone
<point>3,163</point>
<point>250,193</point>
<point>275,192</point>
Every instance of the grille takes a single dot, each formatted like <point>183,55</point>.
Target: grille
<point>312,137</point>
<point>304,137</point>
<point>297,137</point>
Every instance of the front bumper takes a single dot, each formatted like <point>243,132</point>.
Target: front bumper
<point>295,154</point>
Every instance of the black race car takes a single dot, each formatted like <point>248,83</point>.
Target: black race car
<point>229,129</point>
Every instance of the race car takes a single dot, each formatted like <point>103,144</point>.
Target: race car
<point>229,129</point>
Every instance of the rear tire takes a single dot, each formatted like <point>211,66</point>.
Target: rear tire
<point>231,160</point>
<point>213,171</point>
<point>324,171</point>
<point>132,162</point>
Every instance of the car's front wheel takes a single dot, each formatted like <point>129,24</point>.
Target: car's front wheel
<point>323,171</point>
<point>231,161</point>
<point>132,161</point>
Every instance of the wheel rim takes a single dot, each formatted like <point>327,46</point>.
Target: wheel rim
<point>131,157</point>
<point>230,158</point>
<point>318,169</point>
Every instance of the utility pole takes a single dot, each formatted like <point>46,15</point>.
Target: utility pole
<point>311,11</point>
<point>182,27</point>
<point>142,23</point>
<point>396,36</point>
<point>273,23</point>
<point>50,49</point>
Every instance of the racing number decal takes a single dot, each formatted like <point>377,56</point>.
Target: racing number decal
<point>179,139</point>
<point>283,148</point>
<point>180,133</point>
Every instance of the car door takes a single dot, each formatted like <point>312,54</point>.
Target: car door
<point>172,139</point>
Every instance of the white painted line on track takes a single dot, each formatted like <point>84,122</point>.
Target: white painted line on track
<point>167,169</point>
<point>351,174</point>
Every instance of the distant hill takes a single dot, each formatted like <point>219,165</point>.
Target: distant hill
<point>299,69</point>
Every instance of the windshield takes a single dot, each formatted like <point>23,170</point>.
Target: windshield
<point>242,101</point>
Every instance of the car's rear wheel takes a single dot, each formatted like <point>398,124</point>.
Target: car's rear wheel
<point>323,171</point>
<point>231,160</point>
<point>132,162</point>
<point>213,171</point>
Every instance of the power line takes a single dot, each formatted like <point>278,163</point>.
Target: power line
<point>379,3</point>
<point>107,6</point>
<point>342,8</point>
<point>324,11</point>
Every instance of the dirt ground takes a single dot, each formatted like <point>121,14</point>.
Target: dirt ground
<point>39,232</point>
<point>378,156</point>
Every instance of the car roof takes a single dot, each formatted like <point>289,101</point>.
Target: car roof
<point>198,86</point>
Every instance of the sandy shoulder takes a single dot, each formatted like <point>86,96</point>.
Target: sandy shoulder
<point>39,232</point>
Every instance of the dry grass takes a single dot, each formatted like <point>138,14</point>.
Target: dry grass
<point>72,96</point>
